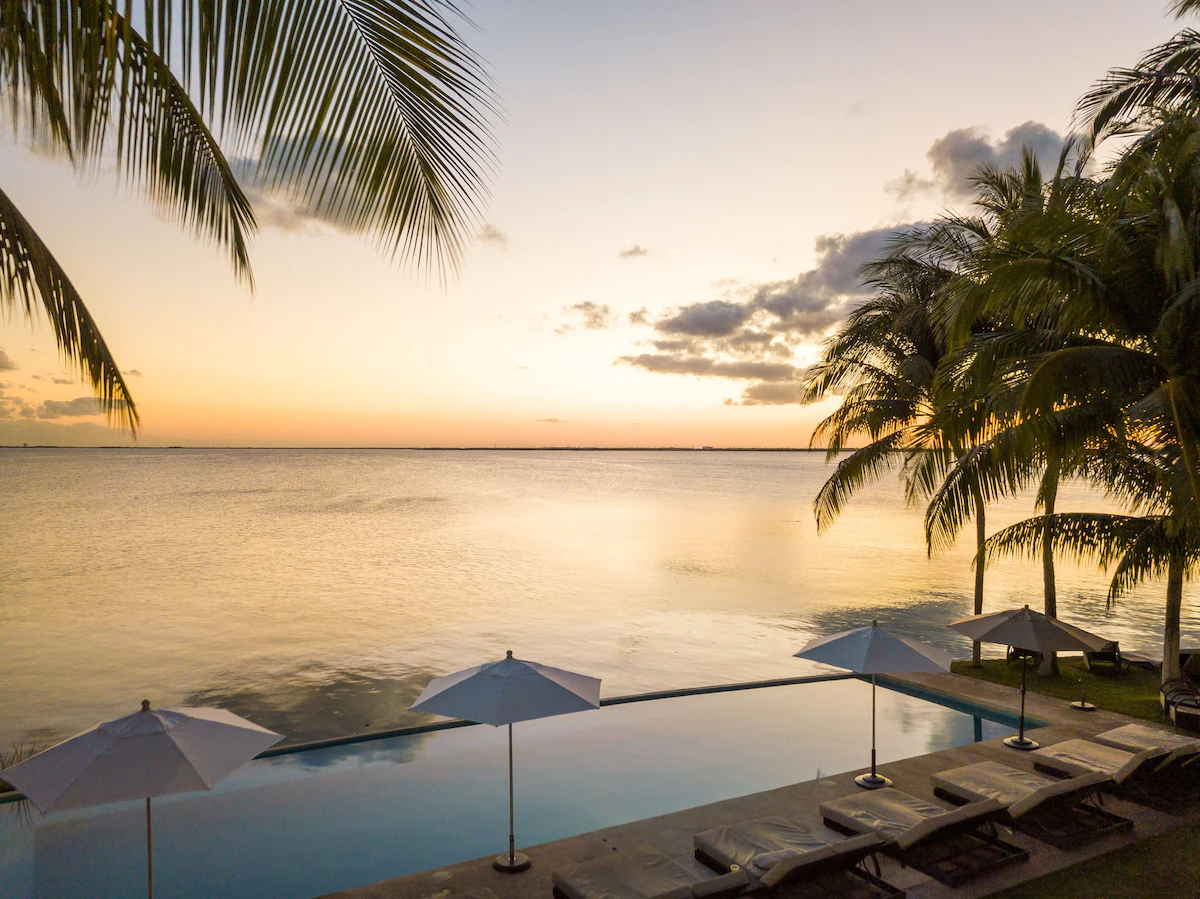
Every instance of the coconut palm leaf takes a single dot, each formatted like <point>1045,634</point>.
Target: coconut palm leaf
<point>31,276</point>
<point>853,472</point>
<point>1124,99</point>
<point>370,113</point>
<point>101,82</point>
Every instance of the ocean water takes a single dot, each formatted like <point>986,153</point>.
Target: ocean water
<point>317,591</point>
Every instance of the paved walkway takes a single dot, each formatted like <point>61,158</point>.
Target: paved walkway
<point>672,833</point>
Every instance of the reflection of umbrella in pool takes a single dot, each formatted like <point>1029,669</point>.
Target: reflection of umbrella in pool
<point>872,650</point>
<point>1031,631</point>
<point>154,752</point>
<point>501,693</point>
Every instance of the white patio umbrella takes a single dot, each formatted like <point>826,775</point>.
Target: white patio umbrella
<point>502,693</point>
<point>1031,631</point>
<point>154,752</point>
<point>872,650</point>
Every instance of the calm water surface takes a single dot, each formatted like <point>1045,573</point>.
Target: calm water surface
<point>316,591</point>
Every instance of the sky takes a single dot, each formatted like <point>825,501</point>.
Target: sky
<point>685,190</point>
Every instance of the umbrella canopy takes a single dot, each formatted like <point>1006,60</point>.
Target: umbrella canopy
<point>1030,630</point>
<point>502,693</point>
<point>507,691</point>
<point>872,650</point>
<point>154,752</point>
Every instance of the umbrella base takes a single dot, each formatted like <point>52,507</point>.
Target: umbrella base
<point>1023,743</point>
<point>1080,706</point>
<point>515,865</point>
<point>872,781</point>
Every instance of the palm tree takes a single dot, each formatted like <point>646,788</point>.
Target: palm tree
<point>884,361</point>
<point>1166,78</point>
<point>1117,277</point>
<point>993,353</point>
<point>371,114</point>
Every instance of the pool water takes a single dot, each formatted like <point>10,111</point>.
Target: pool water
<point>305,824</point>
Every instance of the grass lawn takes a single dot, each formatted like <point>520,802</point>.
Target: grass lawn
<point>1163,866</point>
<point>1133,693</point>
<point>1153,869</point>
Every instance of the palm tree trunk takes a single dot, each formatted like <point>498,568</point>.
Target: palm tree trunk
<point>980,539</point>
<point>1186,445</point>
<point>1170,666</point>
<point>1049,661</point>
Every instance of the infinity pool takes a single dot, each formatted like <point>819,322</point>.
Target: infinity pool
<point>301,825</point>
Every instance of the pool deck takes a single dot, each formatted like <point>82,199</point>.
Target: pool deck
<point>672,833</point>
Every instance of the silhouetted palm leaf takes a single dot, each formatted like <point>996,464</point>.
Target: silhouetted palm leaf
<point>29,276</point>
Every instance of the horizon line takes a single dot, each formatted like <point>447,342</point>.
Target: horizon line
<point>497,448</point>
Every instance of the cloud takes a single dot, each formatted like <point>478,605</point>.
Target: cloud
<point>6,364</point>
<point>132,373</point>
<point>633,251</point>
<point>489,233</point>
<point>753,332</point>
<point>596,316</point>
<point>955,156</point>
<point>764,394</point>
<point>14,407</point>
<point>84,405</point>
<point>551,421</point>
<point>48,433</point>
<point>747,370</point>
<point>715,318</point>
<point>54,379</point>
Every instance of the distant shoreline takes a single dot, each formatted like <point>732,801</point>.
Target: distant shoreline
<point>456,449</point>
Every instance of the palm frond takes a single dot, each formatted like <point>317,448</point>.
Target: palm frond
<point>1165,77</point>
<point>371,113</point>
<point>859,468</point>
<point>31,276</point>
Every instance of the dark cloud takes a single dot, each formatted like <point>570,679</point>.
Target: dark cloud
<point>551,421</point>
<point>640,317</point>
<point>489,233</point>
<point>83,405</point>
<point>753,332</point>
<point>745,370</point>
<point>132,373</point>
<point>6,364</point>
<point>715,318</point>
<point>633,252</point>
<point>956,156</point>
<point>596,316</point>
<point>768,394</point>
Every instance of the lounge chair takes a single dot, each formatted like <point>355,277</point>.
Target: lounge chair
<point>1110,654</point>
<point>1063,813</point>
<point>951,846</point>
<point>642,873</point>
<point>1181,701</point>
<point>1139,737</point>
<point>1139,776</point>
<point>776,852</point>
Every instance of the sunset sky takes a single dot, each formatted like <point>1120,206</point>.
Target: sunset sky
<point>685,190</point>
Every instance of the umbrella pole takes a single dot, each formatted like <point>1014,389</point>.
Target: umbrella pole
<point>149,851</point>
<point>1019,741</point>
<point>511,828</point>
<point>1021,730</point>
<point>872,781</point>
<point>511,862</point>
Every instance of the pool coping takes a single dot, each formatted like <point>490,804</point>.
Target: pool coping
<point>672,832</point>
